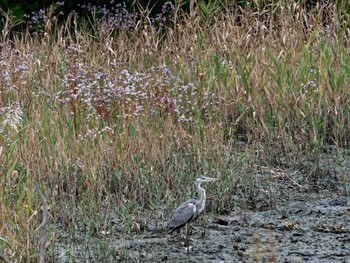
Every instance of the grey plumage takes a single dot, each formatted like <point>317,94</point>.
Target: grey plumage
<point>184,214</point>
<point>189,211</point>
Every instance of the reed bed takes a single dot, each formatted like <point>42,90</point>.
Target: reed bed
<point>113,119</point>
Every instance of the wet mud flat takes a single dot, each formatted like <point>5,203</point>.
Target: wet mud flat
<point>295,221</point>
<point>310,227</point>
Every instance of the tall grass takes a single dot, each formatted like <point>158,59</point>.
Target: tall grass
<point>114,122</point>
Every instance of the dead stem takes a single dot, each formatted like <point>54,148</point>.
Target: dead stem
<point>43,224</point>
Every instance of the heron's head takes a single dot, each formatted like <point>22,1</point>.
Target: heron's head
<point>202,178</point>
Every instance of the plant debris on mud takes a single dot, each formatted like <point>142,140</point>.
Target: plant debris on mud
<point>305,223</point>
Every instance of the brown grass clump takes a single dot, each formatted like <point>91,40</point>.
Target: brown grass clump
<point>109,122</point>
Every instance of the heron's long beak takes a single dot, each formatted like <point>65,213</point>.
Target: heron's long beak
<point>210,179</point>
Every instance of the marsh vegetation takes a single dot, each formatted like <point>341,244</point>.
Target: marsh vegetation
<point>115,116</point>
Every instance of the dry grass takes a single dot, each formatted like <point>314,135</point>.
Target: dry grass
<point>110,122</point>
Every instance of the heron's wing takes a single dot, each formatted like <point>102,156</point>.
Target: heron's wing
<point>182,215</point>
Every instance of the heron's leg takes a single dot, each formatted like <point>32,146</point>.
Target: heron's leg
<point>205,224</point>
<point>187,227</point>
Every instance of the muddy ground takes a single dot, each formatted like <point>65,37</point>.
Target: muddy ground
<point>296,220</point>
<point>310,227</point>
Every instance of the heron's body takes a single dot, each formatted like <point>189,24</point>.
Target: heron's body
<point>190,210</point>
<point>183,215</point>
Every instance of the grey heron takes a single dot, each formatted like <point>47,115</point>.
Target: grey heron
<point>190,210</point>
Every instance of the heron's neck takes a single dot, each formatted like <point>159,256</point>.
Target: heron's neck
<point>202,194</point>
